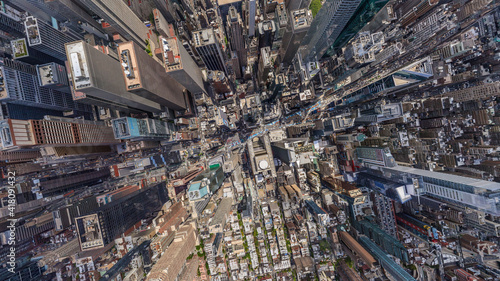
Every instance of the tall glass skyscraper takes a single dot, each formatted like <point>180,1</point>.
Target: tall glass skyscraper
<point>326,27</point>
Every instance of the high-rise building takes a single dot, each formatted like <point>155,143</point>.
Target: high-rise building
<point>300,21</point>
<point>98,80</point>
<point>19,84</point>
<point>74,16</point>
<point>100,228</point>
<point>166,9</point>
<point>53,76</point>
<point>121,18</point>
<point>225,5</point>
<point>266,33</point>
<point>326,27</point>
<point>11,25</point>
<point>147,78</point>
<point>161,24</point>
<point>261,158</point>
<point>236,37</point>
<point>180,65</point>
<point>252,7</point>
<point>54,131</point>
<point>168,266</point>
<point>209,49</point>
<point>132,128</point>
<point>235,64</point>
<point>292,5</point>
<point>46,38</point>
<point>23,52</point>
<point>265,64</point>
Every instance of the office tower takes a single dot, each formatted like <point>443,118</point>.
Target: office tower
<point>300,21</point>
<point>168,266</point>
<point>261,158</point>
<point>45,38</point>
<point>209,49</point>
<point>61,184</point>
<point>180,65</point>
<point>265,64</point>
<point>235,64</point>
<point>19,85</point>
<point>161,24</point>
<point>166,9</point>
<point>236,37</point>
<point>74,16</point>
<point>120,18</point>
<point>22,52</point>
<point>147,78</point>
<point>252,6</point>
<point>110,220</point>
<point>11,25</point>
<point>364,14</point>
<point>54,131</point>
<point>292,5</point>
<point>326,27</point>
<point>98,80</point>
<point>53,76</point>
<point>132,128</point>
<point>266,33</point>
<point>225,5</point>
<point>281,18</point>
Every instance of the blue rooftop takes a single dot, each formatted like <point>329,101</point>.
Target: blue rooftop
<point>195,186</point>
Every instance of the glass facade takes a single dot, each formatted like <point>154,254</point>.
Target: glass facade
<point>364,14</point>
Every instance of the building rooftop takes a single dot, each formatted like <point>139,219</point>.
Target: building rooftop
<point>487,186</point>
<point>301,18</point>
<point>226,2</point>
<point>204,37</point>
<point>222,210</point>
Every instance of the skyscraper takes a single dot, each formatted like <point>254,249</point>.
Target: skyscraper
<point>209,49</point>
<point>119,16</point>
<point>74,16</point>
<point>225,5</point>
<point>98,80</point>
<point>112,219</point>
<point>300,21</point>
<point>45,38</point>
<point>21,86</point>
<point>326,27</point>
<point>166,8</point>
<point>161,24</point>
<point>180,65</point>
<point>252,7</point>
<point>236,37</point>
<point>133,128</point>
<point>54,131</point>
<point>264,64</point>
<point>147,78</point>
<point>23,52</point>
<point>53,76</point>
<point>12,26</point>
<point>266,33</point>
